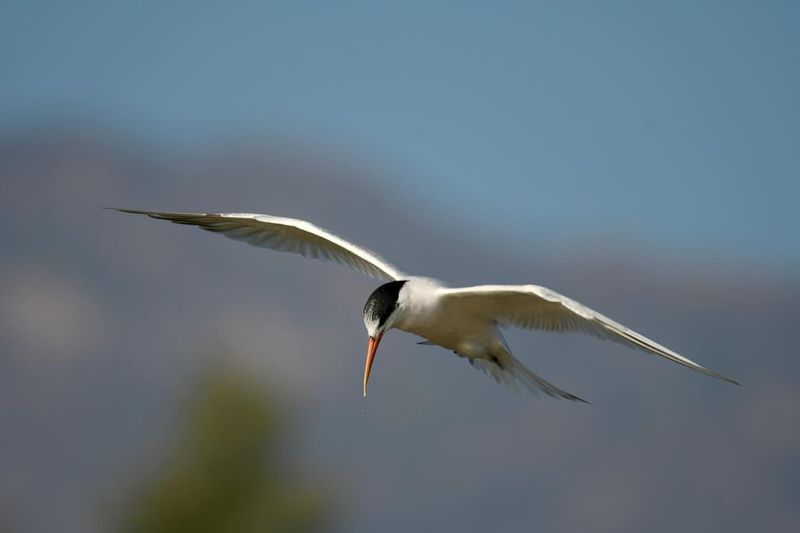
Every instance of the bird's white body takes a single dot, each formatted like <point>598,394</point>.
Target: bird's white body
<point>465,320</point>
<point>423,311</point>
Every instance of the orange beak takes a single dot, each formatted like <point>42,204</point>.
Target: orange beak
<point>372,347</point>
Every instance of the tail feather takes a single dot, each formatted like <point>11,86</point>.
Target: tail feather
<point>507,370</point>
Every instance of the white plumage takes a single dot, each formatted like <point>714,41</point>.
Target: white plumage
<point>466,320</point>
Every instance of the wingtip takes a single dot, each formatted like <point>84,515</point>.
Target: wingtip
<point>577,399</point>
<point>720,376</point>
<point>124,210</point>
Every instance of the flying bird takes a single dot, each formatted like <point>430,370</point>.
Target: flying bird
<point>465,320</point>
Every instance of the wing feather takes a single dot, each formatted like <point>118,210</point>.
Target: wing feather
<point>536,307</point>
<point>285,234</point>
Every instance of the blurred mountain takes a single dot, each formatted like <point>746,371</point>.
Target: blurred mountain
<point>102,317</point>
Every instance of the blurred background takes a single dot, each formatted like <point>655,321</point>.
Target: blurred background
<point>643,158</point>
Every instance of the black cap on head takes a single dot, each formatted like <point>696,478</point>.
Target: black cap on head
<point>382,302</point>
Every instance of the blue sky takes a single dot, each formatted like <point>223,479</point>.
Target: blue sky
<point>675,125</point>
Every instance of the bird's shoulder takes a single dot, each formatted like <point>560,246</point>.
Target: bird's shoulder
<point>420,290</point>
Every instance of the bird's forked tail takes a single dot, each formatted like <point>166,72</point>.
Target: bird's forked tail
<point>506,369</point>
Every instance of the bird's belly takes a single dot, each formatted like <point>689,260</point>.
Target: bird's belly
<point>467,337</point>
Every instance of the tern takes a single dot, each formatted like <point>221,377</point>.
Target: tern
<point>465,320</point>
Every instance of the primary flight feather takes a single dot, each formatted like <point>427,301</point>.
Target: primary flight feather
<point>466,320</point>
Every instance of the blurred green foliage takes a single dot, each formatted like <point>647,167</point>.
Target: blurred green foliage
<point>228,473</point>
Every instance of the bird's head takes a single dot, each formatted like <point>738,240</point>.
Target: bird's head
<point>379,316</point>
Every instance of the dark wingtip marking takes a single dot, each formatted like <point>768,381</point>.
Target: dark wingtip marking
<point>496,361</point>
<point>718,376</point>
<point>124,210</point>
<point>575,398</point>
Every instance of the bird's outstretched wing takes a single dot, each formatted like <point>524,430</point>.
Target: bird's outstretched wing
<point>286,235</point>
<point>535,307</point>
